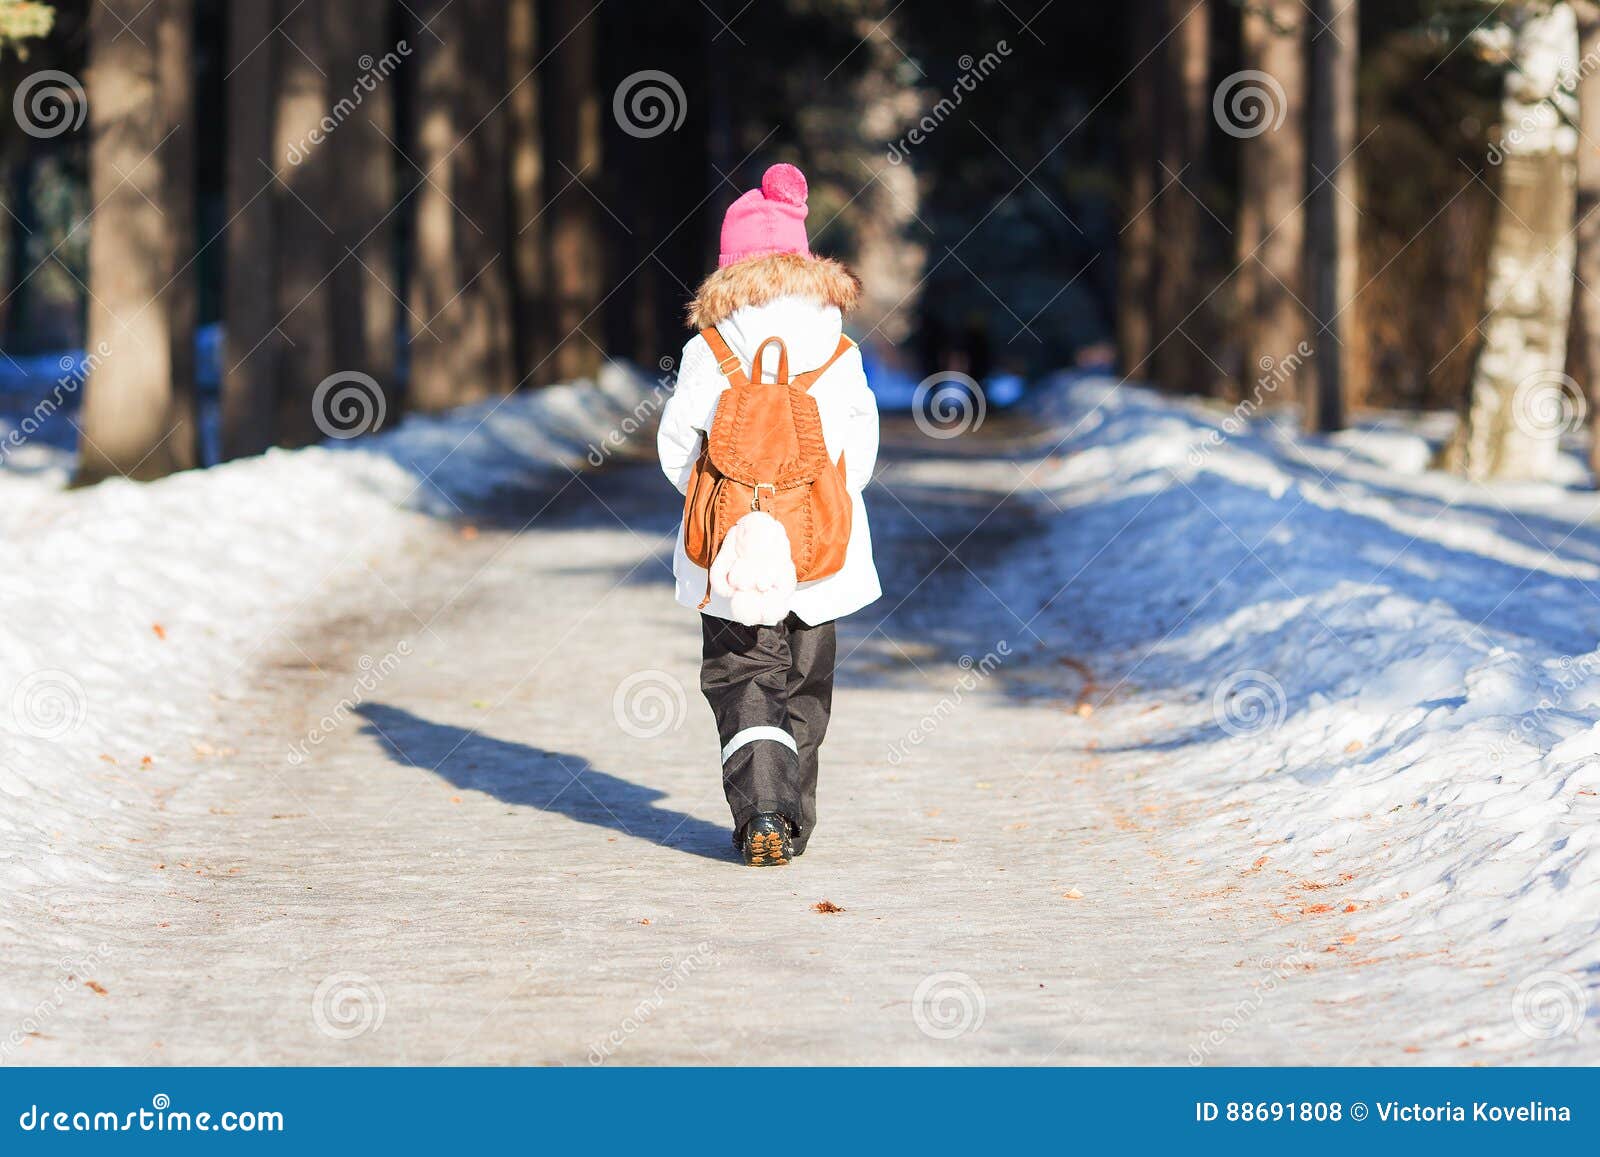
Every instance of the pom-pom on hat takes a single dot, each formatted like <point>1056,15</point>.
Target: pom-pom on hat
<point>771,219</point>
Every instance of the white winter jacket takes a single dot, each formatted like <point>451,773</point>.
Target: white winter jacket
<point>849,426</point>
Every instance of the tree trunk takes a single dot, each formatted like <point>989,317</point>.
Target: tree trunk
<point>1272,158</point>
<point>528,227</point>
<point>462,346</point>
<point>365,314</point>
<point>138,414</point>
<point>20,224</point>
<point>249,294</point>
<point>1332,206</point>
<point>306,254</point>
<point>1137,247</point>
<point>1586,287</point>
<point>1180,335</point>
<point>1520,400</point>
<point>576,253</point>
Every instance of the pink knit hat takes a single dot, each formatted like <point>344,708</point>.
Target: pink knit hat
<point>771,219</point>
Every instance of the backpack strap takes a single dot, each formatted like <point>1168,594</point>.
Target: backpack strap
<point>783,360</point>
<point>729,366</point>
<point>808,379</point>
<point>727,360</point>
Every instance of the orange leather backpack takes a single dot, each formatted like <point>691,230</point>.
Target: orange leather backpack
<point>765,452</point>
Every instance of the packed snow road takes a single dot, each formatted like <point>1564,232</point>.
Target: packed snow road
<point>467,809</point>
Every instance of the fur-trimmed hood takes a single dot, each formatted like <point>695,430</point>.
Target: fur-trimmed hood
<point>761,280</point>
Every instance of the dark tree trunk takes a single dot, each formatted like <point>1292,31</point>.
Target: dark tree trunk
<point>462,347</point>
<point>1332,207</point>
<point>528,228</point>
<point>1271,233</point>
<point>1180,340</point>
<point>1137,245</point>
<point>250,340</point>
<point>576,252</point>
<point>365,314</point>
<point>306,253</point>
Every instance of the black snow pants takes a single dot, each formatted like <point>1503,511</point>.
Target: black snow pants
<point>771,690</point>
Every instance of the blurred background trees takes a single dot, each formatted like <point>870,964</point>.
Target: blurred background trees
<point>1328,204</point>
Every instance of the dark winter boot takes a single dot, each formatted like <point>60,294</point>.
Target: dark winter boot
<point>766,841</point>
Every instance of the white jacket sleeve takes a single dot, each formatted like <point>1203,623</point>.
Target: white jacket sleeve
<point>861,442</point>
<point>687,414</point>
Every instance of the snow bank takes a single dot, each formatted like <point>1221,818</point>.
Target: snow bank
<point>128,606</point>
<point>1383,679</point>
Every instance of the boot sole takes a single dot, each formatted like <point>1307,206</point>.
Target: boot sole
<point>766,850</point>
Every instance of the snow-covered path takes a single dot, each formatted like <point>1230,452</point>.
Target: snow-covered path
<point>471,814</point>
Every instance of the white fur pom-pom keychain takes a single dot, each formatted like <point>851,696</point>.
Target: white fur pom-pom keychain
<point>754,570</point>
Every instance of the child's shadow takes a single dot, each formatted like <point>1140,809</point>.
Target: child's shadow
<point>551,781</point>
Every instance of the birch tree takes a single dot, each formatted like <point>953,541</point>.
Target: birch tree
<point>1586,258</point>
<point>1520,400</point>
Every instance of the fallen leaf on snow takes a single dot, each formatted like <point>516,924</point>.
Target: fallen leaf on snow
<point>161,632</point>
<point>826,906</point>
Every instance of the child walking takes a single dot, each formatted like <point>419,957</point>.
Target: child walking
<point>771,435</point>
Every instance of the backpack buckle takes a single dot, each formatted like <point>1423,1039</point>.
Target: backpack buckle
<point>755,496</point>
<point>728,364</point>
